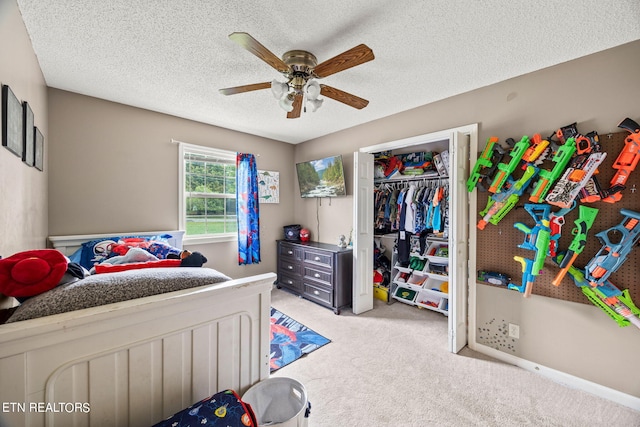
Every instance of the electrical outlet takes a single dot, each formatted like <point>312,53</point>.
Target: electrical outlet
<point>514,331</point>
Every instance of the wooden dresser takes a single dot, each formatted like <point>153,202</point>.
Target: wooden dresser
<point>319,272</point>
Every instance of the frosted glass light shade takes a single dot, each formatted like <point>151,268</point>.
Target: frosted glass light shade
<point>286,103</point>
<point>279,89</point>
<point>313,89</point>
<point>314,104</point>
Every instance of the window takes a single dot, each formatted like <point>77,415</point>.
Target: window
<point>208,193</point>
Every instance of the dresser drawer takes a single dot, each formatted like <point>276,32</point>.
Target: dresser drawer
<point>289,267</point>
<point>290,282</point>
<point>318,294</point>
<point>289,251</point>
<point>320,258</point>
<point>326,277</point>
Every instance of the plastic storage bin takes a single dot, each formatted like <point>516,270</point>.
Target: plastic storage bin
<point>279,402</point>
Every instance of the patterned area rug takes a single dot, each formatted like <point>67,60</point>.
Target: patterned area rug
<point>290,340</point>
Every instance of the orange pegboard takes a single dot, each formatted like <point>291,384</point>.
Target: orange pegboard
<point>498,244</point>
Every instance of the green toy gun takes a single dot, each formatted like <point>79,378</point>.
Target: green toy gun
<point>506,169</point>
<point>547,178</point>
<point>586,217</point>
<point>536,239</point>
<point>615,303</point>
<point>500,204</point>
<point>486,164</point>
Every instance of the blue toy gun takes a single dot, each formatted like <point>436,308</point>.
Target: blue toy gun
<point>615,303</point>
<point>536,239</point>
<point>612,255</point>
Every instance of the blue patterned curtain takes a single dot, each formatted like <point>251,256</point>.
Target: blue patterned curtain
<point>247,209</point>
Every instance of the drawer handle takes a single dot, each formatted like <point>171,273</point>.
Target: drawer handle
<point>290,267</point>
<point>317,258</point>
<point>290,282</point>
<point>290,252</point>
<point>316,292</point>
<point>317,275</point>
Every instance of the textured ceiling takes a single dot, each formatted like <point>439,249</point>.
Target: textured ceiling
<point>173,56</point>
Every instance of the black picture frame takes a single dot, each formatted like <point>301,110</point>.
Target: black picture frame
<point>11,121</point>
<point>38,149</point>
<point>28,135</point>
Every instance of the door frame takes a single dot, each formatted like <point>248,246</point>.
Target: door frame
<point>461,317</point>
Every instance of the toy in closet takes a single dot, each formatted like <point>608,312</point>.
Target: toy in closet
<point>416,212</point>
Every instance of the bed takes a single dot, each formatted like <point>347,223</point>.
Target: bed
<point>135,362</point>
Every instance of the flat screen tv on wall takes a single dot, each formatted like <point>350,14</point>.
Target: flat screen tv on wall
<point>321,178</point>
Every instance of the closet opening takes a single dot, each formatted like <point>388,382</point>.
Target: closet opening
<point>430,264</point>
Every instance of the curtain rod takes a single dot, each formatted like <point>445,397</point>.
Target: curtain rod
<point>175,141</point>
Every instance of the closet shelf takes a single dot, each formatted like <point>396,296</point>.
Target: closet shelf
<point>424,298</point>
<point>425,288</point>
<point>422,273</point>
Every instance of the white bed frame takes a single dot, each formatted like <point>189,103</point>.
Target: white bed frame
<point>136,362</point>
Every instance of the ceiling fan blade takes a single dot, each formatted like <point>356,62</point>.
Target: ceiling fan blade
<point>344,97</point>
<point>355,56</point>
<point>297,108</point>
<point>254,46</point>
<point>245,88</point>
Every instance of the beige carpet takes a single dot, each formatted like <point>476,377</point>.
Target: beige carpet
<point>391,367</point>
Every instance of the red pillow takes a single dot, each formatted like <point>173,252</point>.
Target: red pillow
<point>30,273</point>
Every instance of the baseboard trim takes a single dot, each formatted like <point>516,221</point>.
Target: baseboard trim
<point>562,377</point>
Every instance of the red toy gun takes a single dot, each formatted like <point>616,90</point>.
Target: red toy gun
<point>628,158</point>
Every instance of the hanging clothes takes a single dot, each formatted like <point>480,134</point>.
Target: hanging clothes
<point>417,208</point>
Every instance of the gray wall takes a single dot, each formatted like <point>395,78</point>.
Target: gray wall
<point>114,169</point>
<point>597,91</point>
<point>23,189</point>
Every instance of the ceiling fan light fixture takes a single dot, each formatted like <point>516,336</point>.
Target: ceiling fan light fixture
<point>300,68</point>
<point>279,89</point>
<point>314,104</point>
<point>313,89</point>
<point>286,103</point>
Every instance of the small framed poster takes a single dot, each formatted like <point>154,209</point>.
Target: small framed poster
<point>11,121</point>
<point>28,140</point>
<point>269,186</point>
<point>38,149</point>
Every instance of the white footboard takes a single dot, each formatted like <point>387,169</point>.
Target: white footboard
<point>136,362</point>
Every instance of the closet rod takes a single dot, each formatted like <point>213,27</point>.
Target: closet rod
<point>409,179</point>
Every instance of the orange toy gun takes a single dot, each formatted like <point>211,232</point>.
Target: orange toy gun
<point>628,158</point>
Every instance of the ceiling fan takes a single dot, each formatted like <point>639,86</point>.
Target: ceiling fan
<point>301,69</point>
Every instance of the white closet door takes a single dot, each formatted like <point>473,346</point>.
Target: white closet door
<point>363,232</point>
<point>458,240</point>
